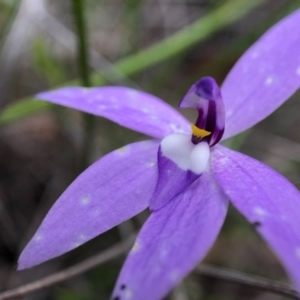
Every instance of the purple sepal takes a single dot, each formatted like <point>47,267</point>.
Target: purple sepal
<point>267,200</point>
<point>112,190</point>
<point>205,96</point>
<point>130,108</point>
<point>172,180</point>
<point>173,241</point>
<point>264,77</point>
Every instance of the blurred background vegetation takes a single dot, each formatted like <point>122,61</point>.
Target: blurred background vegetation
<point>145,44</point>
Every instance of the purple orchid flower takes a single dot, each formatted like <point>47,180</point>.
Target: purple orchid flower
<point>187,178</point>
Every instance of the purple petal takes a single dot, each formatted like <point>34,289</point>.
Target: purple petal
<point>172,241</point>
<point>112,190</point>
<point>264,77</point>
<point>130,108</point>
<point>269,202</point>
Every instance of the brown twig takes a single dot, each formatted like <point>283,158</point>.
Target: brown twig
<point>121,248</point>
<point>78,269</point>
<point>254,282</point>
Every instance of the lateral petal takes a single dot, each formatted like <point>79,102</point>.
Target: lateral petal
<point>172,241</point>
<point>267,200</point>
<point>112,190</point>
<point>264,77</point>
<point>130,108</point>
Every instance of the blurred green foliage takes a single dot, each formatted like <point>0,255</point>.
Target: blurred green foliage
<point>45,64</point>
<point>173,45</point>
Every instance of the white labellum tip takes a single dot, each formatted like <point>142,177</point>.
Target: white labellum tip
<point>187,156</point>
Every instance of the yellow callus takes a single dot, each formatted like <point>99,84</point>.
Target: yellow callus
<point>199,133</point>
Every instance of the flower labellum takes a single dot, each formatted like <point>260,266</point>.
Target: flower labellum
<point>183,175</point>
<point>183,158</point>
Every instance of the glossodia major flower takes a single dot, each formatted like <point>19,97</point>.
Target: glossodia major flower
<point>184,175</point>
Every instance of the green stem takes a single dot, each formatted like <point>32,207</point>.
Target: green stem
<point>82,42</point>
<point>89,121</point>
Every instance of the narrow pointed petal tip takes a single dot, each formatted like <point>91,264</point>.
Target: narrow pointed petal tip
<point>266,76</point>
<point>112,190</point>
<point>267,200</point>
<point>130,108</point>
<point>172,241</point>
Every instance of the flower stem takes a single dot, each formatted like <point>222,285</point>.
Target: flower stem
<point>88,120</point>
